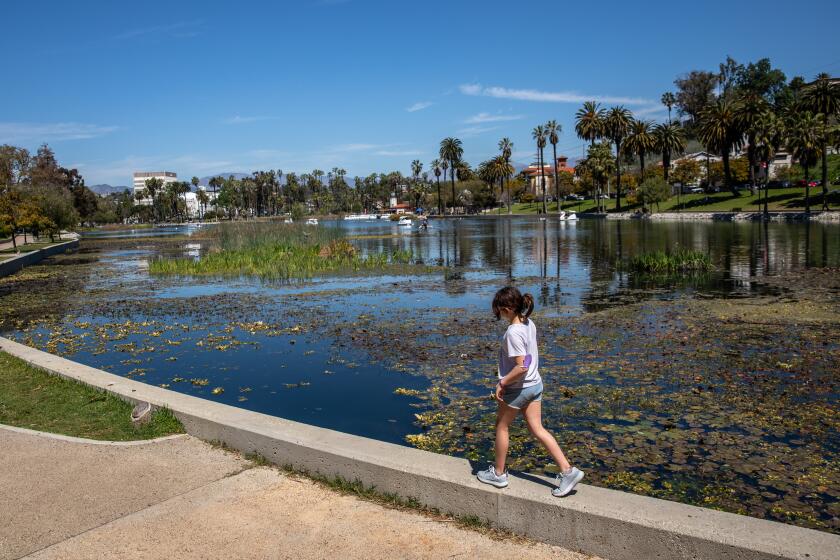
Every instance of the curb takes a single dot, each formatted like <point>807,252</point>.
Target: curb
<point>599,521</point>
<point>86,441</point>
<point>15,264</point>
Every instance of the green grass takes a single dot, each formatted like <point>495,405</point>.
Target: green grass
<point>31,398</point>
<point>278,251</point>
<point>28,247</point>
<point>676,260</point>
<point>780,200</point>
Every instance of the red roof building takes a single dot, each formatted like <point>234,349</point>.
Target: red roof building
<point>533,174</point>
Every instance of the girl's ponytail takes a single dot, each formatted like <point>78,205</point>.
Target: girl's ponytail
<point>527,306</point>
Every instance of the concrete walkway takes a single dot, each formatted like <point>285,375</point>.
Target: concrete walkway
<point>181,498</point>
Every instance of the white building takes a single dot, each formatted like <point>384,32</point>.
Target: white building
<point>140,178</point>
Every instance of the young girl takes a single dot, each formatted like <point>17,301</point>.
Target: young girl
<point>520,390</point>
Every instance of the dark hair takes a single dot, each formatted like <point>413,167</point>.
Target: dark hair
<point>511,298</point>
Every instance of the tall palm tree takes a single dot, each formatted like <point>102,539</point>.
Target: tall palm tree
<point>617,126</point>
<point>640,141</point>
<point>499,168</point>
<point>506,147</point>
<point>538,134</point>
<point>720,133</point>
<point>589,122</point>
<point>753,107</point>
<point>804,143</point>
<point>416,168</point>
<point>444,165</point>
<point>553,130</point>
<point>451,150</point>
<point>669,100</point>
<point>437,171</point>
<point>769,134</point>
<point>670,140</point>
<point>823,96</point>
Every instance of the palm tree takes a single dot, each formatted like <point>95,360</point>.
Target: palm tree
<point>669,100</point>
<point>499,168</point>
<point>444,165</point>
<point>553,130</point>
<point>617,125</point>
<point>670,140</point>
<point>823,97</point>
<point>451,150</point>
<point>804,143</point>
<point>589,122</point>
<point>753,107</point>
<point>640,141</point>
<point>416,168</point>
<point>538,134</point>
<point>769,132</point>
<point>720,133</point>
<point>506,147</point>
<point>202,198</point>
<point>436,169</point>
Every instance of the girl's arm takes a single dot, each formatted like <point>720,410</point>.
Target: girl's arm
<point>518,371</point>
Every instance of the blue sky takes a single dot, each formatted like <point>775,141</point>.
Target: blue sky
<point>367,85</point>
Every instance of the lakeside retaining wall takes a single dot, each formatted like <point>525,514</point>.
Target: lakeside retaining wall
<point>824,217</point>
<point>10,266</point>
<point>608,523</point>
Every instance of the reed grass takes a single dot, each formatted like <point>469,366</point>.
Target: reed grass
<point>278,252</point>
<point>673,260</point>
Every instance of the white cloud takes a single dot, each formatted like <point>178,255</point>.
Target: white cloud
<point>488,118</point>
<point>398,153</point>
<point>652,110</point>
<point>476,130</point>
<point>12,132</point>
<point>547,96</point>
<point>419,106</point>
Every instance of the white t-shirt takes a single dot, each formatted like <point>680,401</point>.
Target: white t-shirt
<point>520,340</point>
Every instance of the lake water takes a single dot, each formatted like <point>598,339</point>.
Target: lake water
<point>309,376</point>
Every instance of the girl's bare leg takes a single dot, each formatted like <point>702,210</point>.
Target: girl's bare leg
<point>533,416</point>
<point>504,416</point>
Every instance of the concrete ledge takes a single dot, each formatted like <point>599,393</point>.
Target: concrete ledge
<point>87,441</point>
<point>15,264</point>
<point>607,523</point>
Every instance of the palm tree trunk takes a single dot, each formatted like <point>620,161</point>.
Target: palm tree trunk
<point>727,181</point>
<point>642,163</point>
<point>440,211</point>
<point>825,169</point>
<point>666,165</point>
<point>542,178</point>
<point>452,175</point>
<point>509,195</point>
<point>556,182</point>
<point>617,177</point>
<point>766,188</point>
<point>807,192</point>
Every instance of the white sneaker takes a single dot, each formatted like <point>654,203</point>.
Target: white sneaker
<point>490,477</point>
<point>567,482</point>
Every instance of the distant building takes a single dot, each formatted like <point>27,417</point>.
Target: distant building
<point>534,175</point>
<point>140,178</point>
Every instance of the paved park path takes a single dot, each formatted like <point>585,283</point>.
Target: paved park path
<point>179,497</point>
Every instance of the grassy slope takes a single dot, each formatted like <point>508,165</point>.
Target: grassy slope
<point>791,199</point>
<point>31,398</point>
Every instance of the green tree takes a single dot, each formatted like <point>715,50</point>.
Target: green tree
<point>753,106</point>
<point>769,135</point>
<point>451,151</point>
<point>538,134</point>
<point>589,122</point>
<point>669,139</point>
<point>823,97</point>
<point>719,131</point>
<point>654,190</point>
<point>804,143</point>
<point>202,198</point>
<point>617,126</point>
<point>669,100</point>
<point>553,130</point>
<point>599,165</point>
<point>640,141</point>
<point>695,91</point>
<point>437,170</point>
<point>506,148</point>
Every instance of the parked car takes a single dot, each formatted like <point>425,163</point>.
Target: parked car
<point>574,197</point>
<point>695,190</point>
<point>801,183</point>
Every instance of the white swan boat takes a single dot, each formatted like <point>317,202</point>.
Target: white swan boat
<point>312,222</point>
<point>568,217</point>
<point>360,217</point>
<point>404,222</point>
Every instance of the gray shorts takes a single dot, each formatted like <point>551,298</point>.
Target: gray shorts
<point>518,398</point>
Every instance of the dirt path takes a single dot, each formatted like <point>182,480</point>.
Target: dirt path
<point>181,498</point>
